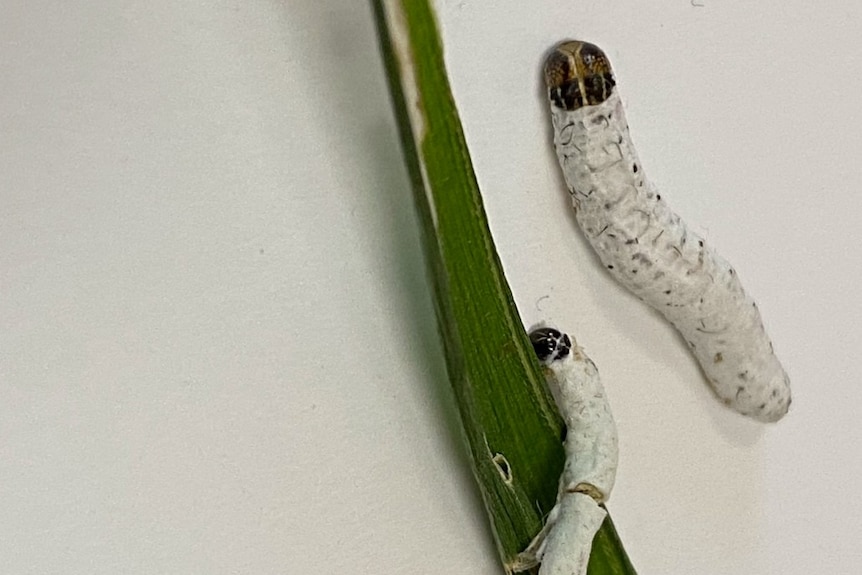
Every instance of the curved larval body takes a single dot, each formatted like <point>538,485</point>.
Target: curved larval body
<point>647,247</point>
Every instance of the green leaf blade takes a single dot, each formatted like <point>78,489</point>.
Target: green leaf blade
<point>506,411</point>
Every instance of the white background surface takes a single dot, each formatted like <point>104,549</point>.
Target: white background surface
<point>218,347</point>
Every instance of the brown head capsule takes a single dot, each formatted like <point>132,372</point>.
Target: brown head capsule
<point>578,74</point>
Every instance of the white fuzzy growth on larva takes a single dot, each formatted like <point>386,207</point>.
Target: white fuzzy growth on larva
<point>591,446</point>
<point>568,544</point>
<point>592,450</point>
<point>652,252</point>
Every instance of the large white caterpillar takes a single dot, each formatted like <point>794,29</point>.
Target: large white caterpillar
<point>647,247</point>
<point>591,448</point>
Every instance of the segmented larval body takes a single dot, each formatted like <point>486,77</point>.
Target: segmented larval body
<point>592,451</point>
<point>568,544</point>
<point>647,247</point>
<point>591,443</point>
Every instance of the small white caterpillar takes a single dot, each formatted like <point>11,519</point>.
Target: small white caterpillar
<point>591,448</point>
<point>647,247</point>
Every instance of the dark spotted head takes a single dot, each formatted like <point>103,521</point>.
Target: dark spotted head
<point>550,344</point>
<point>578,74</point>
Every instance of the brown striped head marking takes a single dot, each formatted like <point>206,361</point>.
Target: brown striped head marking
<point>578,74</point>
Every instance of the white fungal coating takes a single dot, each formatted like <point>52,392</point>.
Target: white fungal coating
<point>591,443</point>
<point>647,247</point>
<point>591,448</point>
<point>568,544</point>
